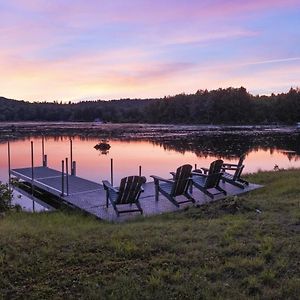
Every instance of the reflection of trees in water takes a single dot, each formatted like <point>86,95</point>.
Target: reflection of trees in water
<point>233,146</point>
<point>220,144</point>
<point>291,155</point>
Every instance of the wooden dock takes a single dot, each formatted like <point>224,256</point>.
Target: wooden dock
<point>90,197</point>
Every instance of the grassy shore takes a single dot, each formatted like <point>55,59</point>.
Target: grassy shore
<point>239,248</point>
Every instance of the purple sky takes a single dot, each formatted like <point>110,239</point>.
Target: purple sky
<point>81,50</point>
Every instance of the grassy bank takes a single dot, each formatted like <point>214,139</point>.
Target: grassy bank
<point>241,248</point>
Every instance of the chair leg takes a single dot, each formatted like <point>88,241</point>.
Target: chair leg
<point>115,208</point>
<point>210,195</point>
<point>139,206</point>
<point>187,195</point>
<point>236,183</point>
<point>191,188</point>
<point>204,190</point>
<point>173,201</point>
<point>221,190</point>
<point>156,192</point>
<point>243,181</point>
<point>170,198</point>
<point>106,199</point>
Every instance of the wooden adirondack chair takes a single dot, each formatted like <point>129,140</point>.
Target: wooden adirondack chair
<point>128,194</point>
<point>210,179</point>
<point>215,167</point>
<point>235,177</point>
<point>178,186</point>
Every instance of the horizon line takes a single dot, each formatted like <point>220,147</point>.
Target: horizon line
<point>149,98</point>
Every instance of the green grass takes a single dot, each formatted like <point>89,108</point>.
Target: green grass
<point>247,247</point>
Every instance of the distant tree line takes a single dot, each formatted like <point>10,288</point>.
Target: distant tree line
<point>221,106</point>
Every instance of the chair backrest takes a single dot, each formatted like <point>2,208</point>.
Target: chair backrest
<point>212,180</point>
<point>241,160</point>
<point>215,166</point>
<point>181,180</point>
<point>214,174</point>
<point>130,189</point>
<point>238,172</point>
<point>240,167</point>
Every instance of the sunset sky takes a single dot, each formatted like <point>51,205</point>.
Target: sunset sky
<point>110,49</point>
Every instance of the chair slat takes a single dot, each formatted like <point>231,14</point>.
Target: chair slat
<point>125,192</point>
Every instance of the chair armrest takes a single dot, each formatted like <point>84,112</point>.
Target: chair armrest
<point>205,170</point>
<point>231,167</point>
<point>108,186</point>
<point>227,165</point>
<point>198,174</point>
<point>200,171</point>
<point>173,174</point>
<point>157,179</point>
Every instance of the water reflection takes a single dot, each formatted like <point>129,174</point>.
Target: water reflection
<point>228,146</point>
<point>262,152</point>
<point>29,205</point>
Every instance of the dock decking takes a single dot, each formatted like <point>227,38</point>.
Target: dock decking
<point>90,196</point>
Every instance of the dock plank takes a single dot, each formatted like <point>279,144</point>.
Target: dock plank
<point>76,184</point>
<point>39,172</point>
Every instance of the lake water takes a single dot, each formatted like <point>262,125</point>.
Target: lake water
<point>158,159</point>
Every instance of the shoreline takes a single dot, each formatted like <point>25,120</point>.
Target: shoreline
<point>13,130</point>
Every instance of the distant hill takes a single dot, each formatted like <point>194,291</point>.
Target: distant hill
<point>221,106</point>
<point>4,101</point>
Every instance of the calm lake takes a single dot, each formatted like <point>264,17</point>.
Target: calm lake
<point>154,158</point>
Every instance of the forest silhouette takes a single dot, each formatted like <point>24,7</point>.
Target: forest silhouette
<point>221,106</point>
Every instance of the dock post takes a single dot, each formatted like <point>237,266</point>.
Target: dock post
<point>140,171</point>
<point>62,178</point>
<point>73,168</point>
<point>195,166</point>
<point>9,166</point>
<point>67,175</point>
<point>71,155</point>
<point>45,160</point>
<point>43,152</point>
<point>111,171</point>
<point>32,169</point>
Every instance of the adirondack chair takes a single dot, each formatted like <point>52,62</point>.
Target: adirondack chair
<point>235,177</point>
<point>127,194</point>
<point>209,180</point>
<point>178,186</point>
<point>215,167</point>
